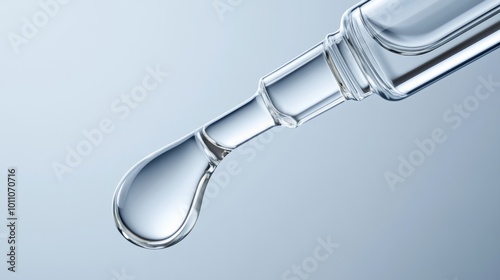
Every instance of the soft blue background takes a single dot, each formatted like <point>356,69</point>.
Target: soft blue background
<point>325,178</point>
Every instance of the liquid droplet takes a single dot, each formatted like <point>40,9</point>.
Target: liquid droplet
<point>158,201</point>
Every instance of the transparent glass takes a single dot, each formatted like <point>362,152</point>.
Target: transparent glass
<point>391,48</point>
<point>403,46</point>
<point>414,27</point>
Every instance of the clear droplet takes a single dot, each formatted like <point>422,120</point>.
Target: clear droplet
<point>157,202</point>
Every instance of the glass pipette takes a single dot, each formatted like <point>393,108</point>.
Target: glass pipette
<point>392,48</point>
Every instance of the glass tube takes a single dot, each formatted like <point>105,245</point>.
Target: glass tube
<point>392,48</point>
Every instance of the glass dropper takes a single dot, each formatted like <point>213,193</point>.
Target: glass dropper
<point>389,48</point>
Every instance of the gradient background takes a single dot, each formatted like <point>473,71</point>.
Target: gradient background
<point>323,179</point>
